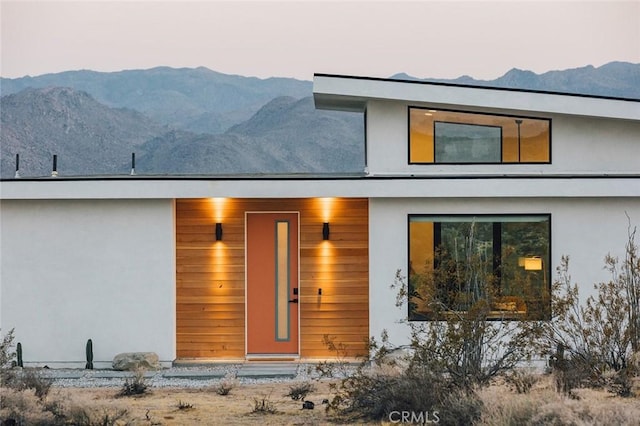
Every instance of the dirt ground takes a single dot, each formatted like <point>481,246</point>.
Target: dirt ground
<point>162,405</point>
<point>204,406</point>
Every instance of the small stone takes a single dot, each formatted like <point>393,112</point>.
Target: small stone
<point>130,361</point>
<point>308,405</point>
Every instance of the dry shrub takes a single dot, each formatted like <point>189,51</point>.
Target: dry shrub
<point>264,405</point>
<point>299,391</point>
<point>32,379</point>
<point>520,380</point>
<point>224,388</point>
<point>83,416</point>
<point>593,343</point>
<point>137,385</point>
<point>22,407</point>
<point>366,395</point>
<point>544,406</point>
<point>184,405</point>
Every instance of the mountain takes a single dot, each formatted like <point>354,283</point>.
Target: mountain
<point>195,99</point>
<point>88,137</point>
<point>285,135</point>
<point>615,79</point>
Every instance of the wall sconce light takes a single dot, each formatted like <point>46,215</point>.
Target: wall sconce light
<point>218,231</point>
<point>54,171</point>
<point>325,231</point>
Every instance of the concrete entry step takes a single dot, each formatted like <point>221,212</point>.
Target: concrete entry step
<point>194,374</point>
<point>268,370</point>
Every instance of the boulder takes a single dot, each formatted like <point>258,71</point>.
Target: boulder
<point>130,361</point>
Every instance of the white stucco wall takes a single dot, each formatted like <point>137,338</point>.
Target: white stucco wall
<point>79,269</point>
<point>579,144</point>
<point>585,229</point>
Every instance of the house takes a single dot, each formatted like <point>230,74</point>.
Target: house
<point>269,267</point>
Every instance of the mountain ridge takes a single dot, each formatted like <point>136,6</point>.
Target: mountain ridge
<point>614,79</point>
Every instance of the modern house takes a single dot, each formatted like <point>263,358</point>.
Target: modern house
<point>268,267</point>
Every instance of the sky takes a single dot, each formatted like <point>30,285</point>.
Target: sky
<point>423,38</point>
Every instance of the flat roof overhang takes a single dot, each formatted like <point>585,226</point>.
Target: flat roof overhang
<point>484,186</point>
<point>349,93</point>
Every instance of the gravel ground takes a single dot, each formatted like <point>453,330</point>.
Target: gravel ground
<point>196,377</point>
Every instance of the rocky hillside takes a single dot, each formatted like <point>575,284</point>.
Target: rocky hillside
<point>285,136</point>
<point>89,137</point>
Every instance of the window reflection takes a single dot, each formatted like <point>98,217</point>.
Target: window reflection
<point>451,137</point>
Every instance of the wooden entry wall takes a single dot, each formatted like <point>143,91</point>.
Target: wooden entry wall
<point>210,276</point>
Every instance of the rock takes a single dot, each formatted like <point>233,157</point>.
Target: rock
<point>308,405</point>
<point>130,361</point>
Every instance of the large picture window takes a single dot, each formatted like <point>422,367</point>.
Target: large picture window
<point>456,261</point>
<point>453,137</point>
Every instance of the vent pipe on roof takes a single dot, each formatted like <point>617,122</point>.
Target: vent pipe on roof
<point>17,175</point>
<point>133,163</point>
<point>54,172</point>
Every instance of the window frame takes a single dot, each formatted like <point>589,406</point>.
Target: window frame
<point>515,117</point>
<point>547,271</point>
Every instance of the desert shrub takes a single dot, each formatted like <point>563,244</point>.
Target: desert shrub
<point>184,405</point>
<point>7,359</point>
<point>300,391</point>
<point>521,381</point>
<point>463,326</point>
<point>32,379</point>
<point>23,408</point>
<point>338,367</point>
<point>224,388</point>
<point>137,385</point>
<point>83,416</point>
<point>371,396</point>
<point>264,405</point>
<point>471,347</point>
<point>592,343</point>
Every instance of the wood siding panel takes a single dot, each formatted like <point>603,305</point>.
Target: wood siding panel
<point>210,275</point>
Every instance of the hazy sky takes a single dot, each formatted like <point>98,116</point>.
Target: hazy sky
<point>423,38</point>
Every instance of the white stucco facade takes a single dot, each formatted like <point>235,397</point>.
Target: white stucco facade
<point>94,257</point>
<point>579,145</point>
<point>74,270</point>
<point>585,229</point>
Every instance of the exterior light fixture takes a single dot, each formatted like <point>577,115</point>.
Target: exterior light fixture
<point>218,231</point>
<point>54,170</point>
<point>325,231</point>
<point>133,163</point>
<point>518,123</point>
<point>17,175</point>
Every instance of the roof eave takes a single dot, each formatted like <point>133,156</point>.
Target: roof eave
<point>353,93</point>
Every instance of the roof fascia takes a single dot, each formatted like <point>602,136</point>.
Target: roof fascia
<point>353,93</point>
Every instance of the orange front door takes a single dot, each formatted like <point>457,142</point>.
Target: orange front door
<point>272,283</point>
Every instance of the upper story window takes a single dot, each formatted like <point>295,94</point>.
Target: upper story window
<point>453,137</point>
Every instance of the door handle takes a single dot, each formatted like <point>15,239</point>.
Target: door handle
<point>293,301</point>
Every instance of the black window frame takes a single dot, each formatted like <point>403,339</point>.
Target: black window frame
<point>515,117</point>
<point>497,255</point>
